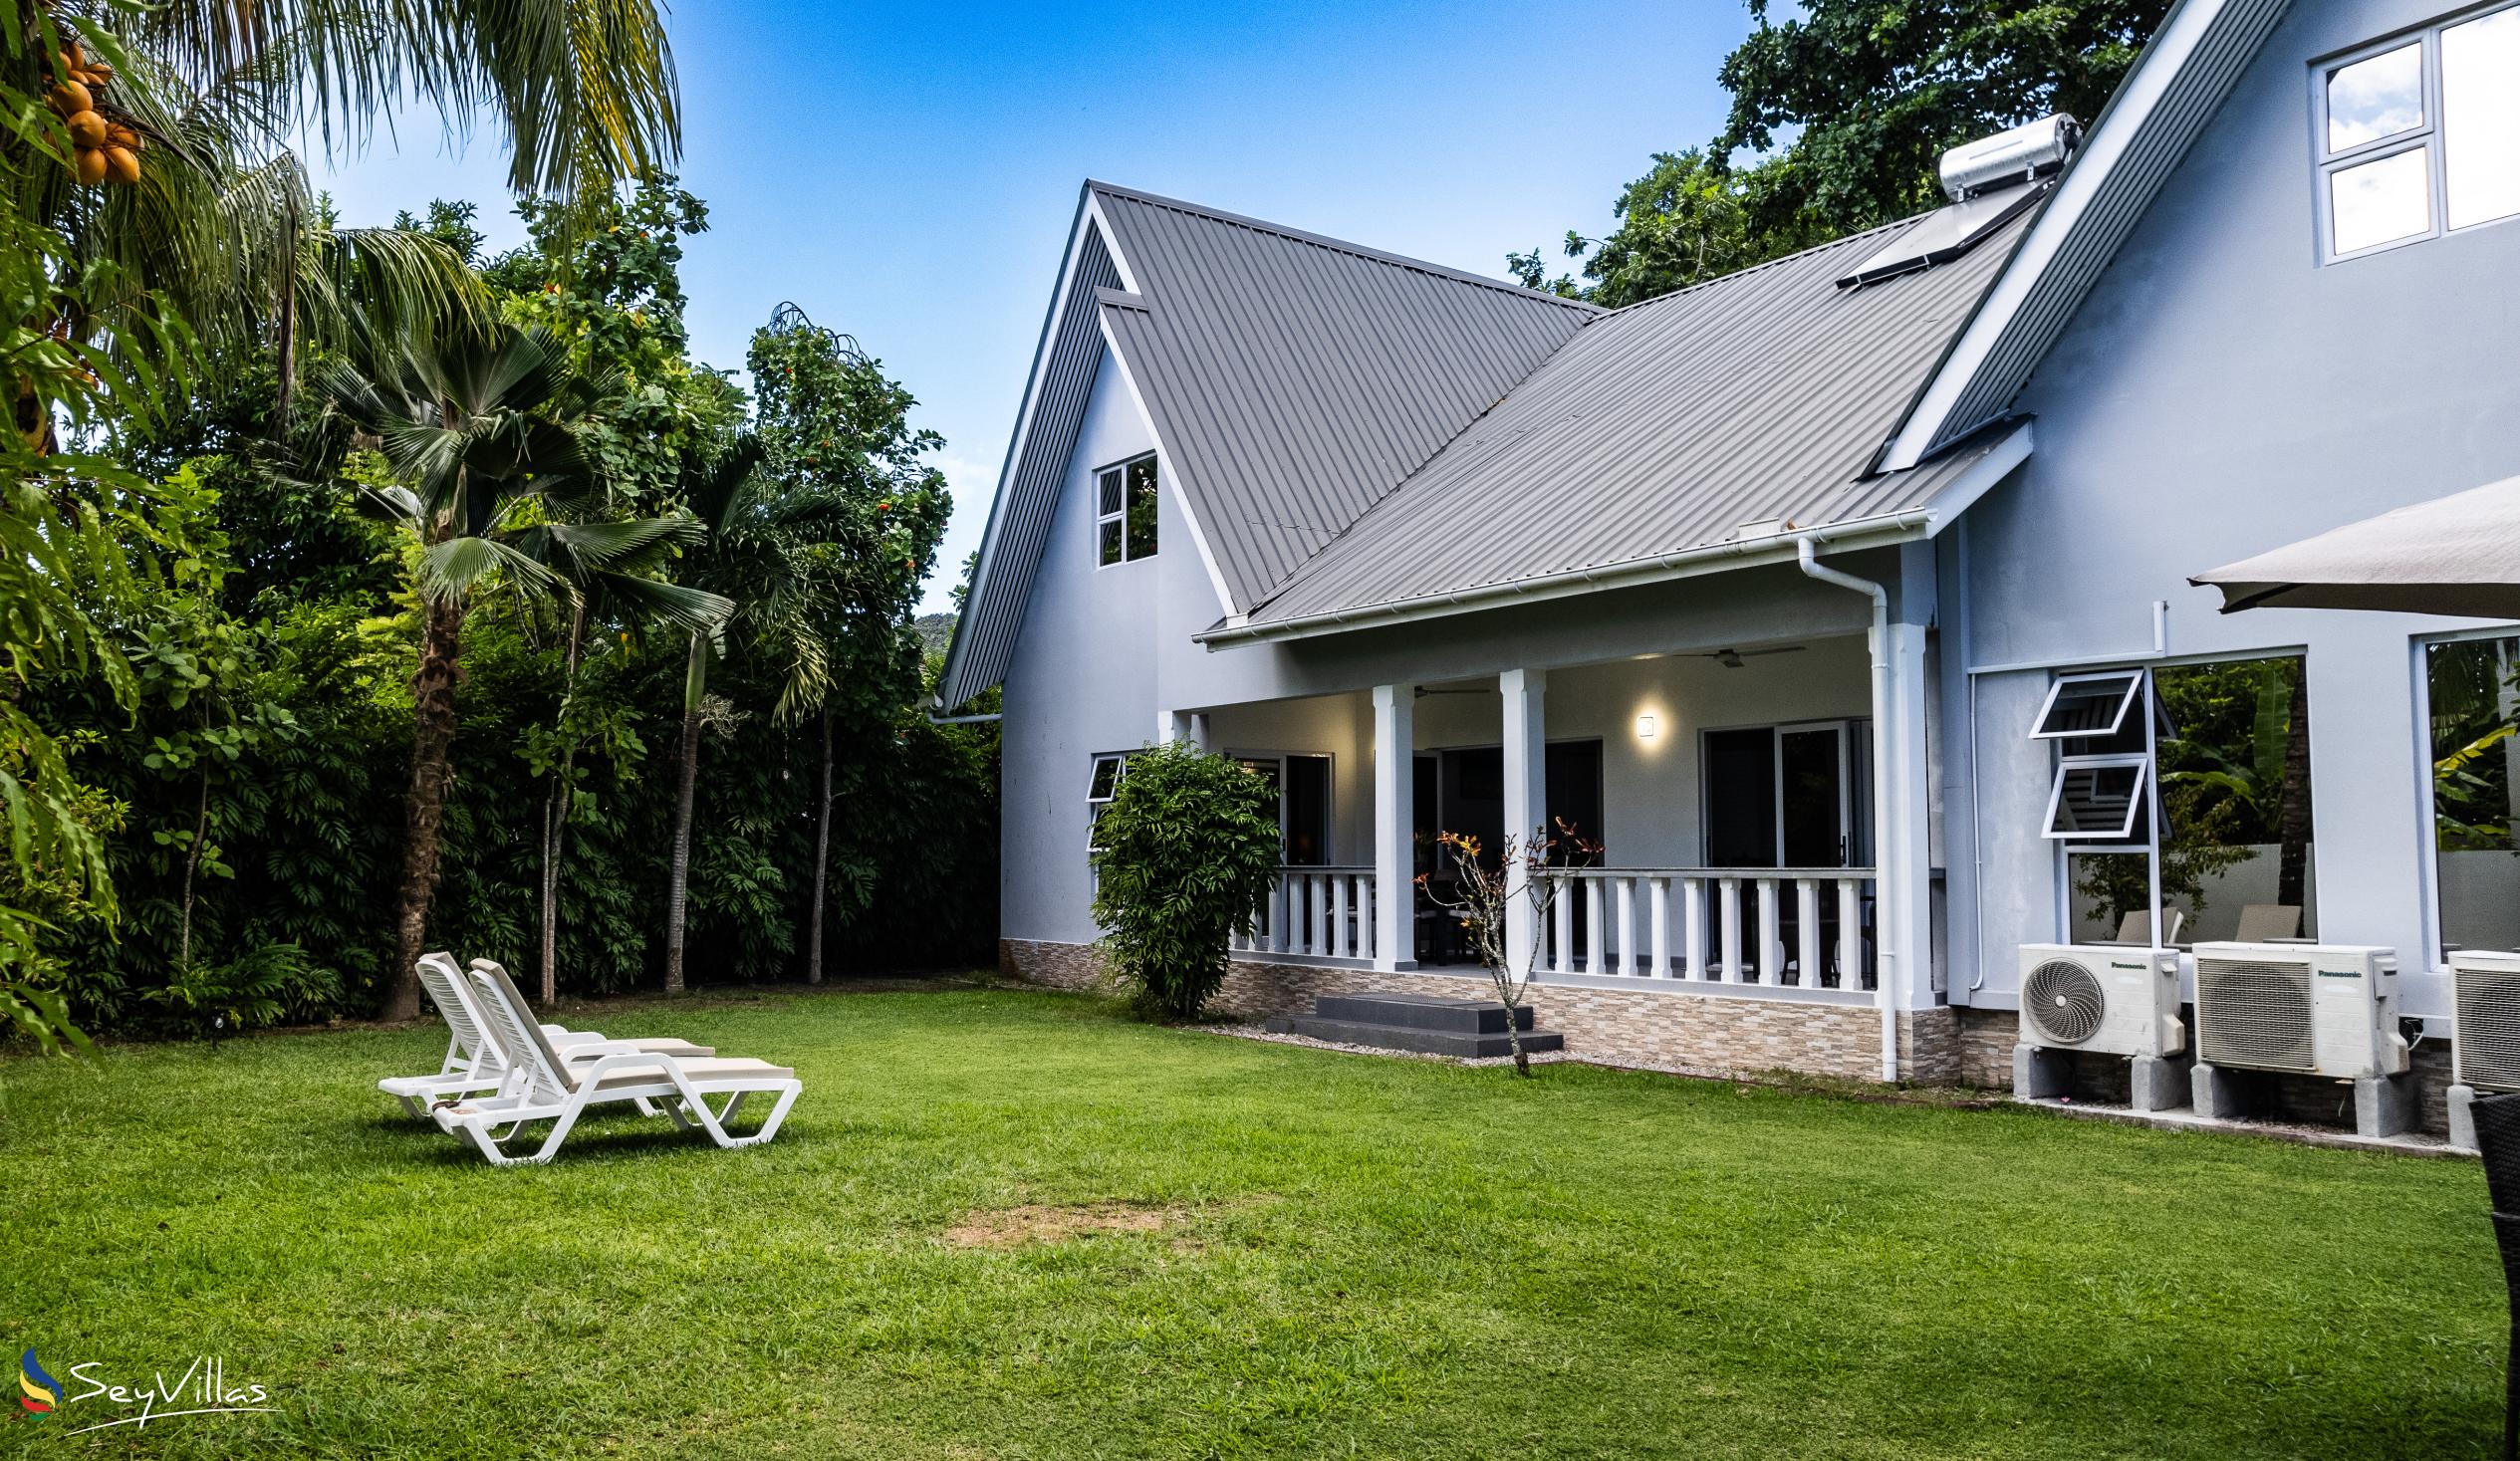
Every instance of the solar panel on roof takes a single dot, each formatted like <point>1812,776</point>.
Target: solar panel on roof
<point>1944,234</point>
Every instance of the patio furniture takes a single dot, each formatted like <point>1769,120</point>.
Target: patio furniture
<point>2498,1138</point>
<point>2136,928</point>
<point>473,1064</point>
<point>547,1088</point>
<point>2266,922</point>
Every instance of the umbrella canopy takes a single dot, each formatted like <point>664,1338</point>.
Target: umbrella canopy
<point>2456,555</point>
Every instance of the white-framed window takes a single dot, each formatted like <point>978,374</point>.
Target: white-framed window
<point>2081,705</point>
<point>2472,711</point>
<point>1101,784</point>
<point>2097,799</point>
<point>2419,135</point>
<point>1124,511</point>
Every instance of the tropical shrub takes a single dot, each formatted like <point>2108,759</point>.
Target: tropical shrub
<point>1184,856</point>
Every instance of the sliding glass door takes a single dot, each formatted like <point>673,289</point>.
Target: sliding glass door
<point>1785,795</point>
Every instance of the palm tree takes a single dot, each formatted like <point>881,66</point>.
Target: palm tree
<point>612,583</point>
<point>722,495</point>
<point>215,232</point>
<point>483,431</point>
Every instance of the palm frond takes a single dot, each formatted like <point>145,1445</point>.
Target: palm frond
<point>455,568</point>
<point>695,611</point>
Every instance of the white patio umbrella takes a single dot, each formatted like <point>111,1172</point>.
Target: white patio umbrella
<point>2457,555</point>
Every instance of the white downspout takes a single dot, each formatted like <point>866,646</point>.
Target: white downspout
<point>1886,901</point>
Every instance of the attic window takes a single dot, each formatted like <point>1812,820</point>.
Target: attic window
<point>1124,511</point>
<point>2420,135</point>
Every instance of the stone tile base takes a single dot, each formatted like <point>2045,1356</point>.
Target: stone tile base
<point>1985,1041</point>
<point>1701,1035</point>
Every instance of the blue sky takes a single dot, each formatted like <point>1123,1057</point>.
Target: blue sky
<point>908,174</point>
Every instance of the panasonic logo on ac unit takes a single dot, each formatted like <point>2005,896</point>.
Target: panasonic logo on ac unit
<point>2337,973</point>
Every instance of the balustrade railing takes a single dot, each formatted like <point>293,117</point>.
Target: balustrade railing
<point>1806,927</point>
<point>1323,913</point>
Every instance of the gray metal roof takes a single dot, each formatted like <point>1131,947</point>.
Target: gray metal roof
<point>1666,426</point>
<point>1065,359</point>
<point>2198,54</point>
<point>1294,381</point>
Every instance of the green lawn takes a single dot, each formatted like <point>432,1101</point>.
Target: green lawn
<point>1335,1256</point>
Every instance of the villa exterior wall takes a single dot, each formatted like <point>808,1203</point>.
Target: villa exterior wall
<point>2220,394</point>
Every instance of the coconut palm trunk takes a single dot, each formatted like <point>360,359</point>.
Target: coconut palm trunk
<point>822,858</point>
<point>432,775</point>
<point>694,690</point>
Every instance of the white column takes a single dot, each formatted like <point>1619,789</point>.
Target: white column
<point>1905,855</point>
<point>1395,826</point>
<point>1525,693</point>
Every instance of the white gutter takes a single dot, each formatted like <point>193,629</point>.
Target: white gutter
<point>1687,562</point>
<point>1889,873</point>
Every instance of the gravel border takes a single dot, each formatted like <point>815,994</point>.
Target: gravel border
<point>1260,1033</point>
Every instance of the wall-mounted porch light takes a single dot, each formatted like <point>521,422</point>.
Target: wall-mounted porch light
<point>1644,727</point>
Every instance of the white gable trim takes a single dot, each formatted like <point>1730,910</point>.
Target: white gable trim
<point>2185,35</point>
<point>981,615</point>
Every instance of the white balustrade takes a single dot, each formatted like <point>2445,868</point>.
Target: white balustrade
<point>1733,925</point>
<point>1316,912</point>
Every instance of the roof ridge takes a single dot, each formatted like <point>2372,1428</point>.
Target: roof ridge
<point>1782,259</point>
<point>1344,246</point>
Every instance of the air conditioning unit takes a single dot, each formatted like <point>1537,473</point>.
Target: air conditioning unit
<point>2485,1024</point>
<point>2121,1001</point>
<point>2312,1009</point>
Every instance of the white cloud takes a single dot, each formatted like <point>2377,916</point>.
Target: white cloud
<point>973,483</point>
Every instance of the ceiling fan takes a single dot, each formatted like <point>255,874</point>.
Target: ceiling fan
<point>1732,659</point>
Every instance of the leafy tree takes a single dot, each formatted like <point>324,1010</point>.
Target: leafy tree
<point>483,436</point>
<point>1185,855</point>
<point>1878,90</point>
<point>1684,222</point>
<point>1868,95</point>
<point>865,511</point>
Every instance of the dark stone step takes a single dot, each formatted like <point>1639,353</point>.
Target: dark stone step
<point>1422,1012</point>
<point>1416,1039</point>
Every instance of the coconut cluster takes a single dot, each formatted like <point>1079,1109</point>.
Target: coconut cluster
<point>108,151</point>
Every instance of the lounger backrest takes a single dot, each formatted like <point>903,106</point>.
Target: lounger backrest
<point>2136,927</point>
<point>2262,921</point>
<point>444,983</point>
<point>529,1053</point>
<point>530,1029</point>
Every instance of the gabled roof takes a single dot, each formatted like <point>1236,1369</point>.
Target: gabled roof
<point>1666,426</point>
<point>1291,380</point>
<point>1294,379</point>
<point>1361,435</point>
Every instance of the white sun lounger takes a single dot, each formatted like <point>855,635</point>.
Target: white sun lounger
<point>473,1064</point>
<point>544,1088</point>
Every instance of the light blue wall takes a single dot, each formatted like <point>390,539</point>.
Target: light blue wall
<point>1082,682</point>
<point>2222,393</point>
